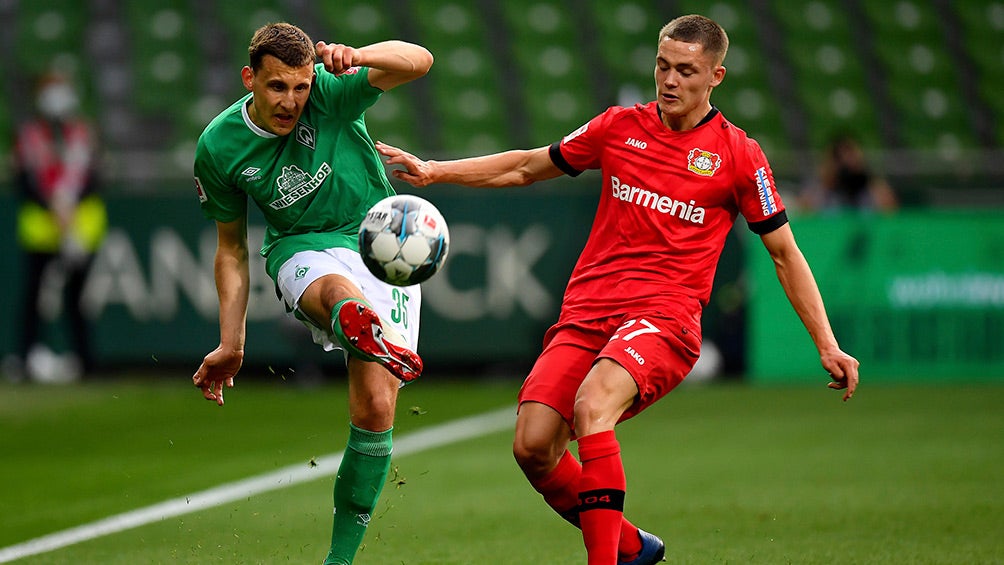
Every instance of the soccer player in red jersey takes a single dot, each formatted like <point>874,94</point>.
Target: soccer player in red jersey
<point>676,174</point>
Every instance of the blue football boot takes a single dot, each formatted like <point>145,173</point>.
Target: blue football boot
<point>653,550</point>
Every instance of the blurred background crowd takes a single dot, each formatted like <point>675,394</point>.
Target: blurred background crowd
<point>889,110</point>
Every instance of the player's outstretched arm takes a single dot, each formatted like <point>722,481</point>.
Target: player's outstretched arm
<point>220,366</point>
<point>509,168</point>
<point>391,63</point>
<point>800,286</point>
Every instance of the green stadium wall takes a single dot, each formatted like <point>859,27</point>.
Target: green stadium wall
<point>151,296</point>
<point>917,295</point>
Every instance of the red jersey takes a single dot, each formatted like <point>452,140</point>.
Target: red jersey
<point>668,202</point>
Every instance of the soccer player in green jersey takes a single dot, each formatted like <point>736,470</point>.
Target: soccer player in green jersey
<point>297,145</point>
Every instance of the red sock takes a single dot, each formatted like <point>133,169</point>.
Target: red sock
<point>630,542</point>
<point>560,489</point>
<point>601,496</point>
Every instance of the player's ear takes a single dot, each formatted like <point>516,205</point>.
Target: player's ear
<point>717,75</point>
<point>247,77</point>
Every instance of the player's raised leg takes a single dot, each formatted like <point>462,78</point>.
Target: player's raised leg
<point>360,331</point>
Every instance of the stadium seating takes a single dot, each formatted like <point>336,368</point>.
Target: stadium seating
<point>920,75</point>
<point>746,96</point>
<point>48,37</point>
<point>50,34</point>
<point>859,66</point>
<point>393,119</point>
<point>239,20</point>
<point>626,35</point>
<point>165,53</point>
<point>553,74</point>
<point>828,69</point>
<point>982,29</point>
<point>464,82</point>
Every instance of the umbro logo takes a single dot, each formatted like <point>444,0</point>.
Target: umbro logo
<point>636,143</point>
<point>252,173</point>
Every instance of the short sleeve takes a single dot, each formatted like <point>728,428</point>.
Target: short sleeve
<point>756,193</point>
<point>220,200</point>
<point>582,149</point>
<point>347,95</point>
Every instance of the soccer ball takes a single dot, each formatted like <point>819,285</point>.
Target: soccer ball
<point>403,240</point>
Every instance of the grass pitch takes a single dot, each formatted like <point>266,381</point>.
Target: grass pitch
<point>726,474</point>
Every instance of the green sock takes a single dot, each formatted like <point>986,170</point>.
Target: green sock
<point>336,330</point>
<point>360,479</point>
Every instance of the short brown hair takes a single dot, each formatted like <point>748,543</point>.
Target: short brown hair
<point>700,30</point>
<point>285,42</point>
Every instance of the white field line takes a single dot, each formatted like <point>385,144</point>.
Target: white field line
<point>421,440</point>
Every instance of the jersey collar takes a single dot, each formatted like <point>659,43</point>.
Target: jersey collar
<point>250,124</point>
<point>707,118</point>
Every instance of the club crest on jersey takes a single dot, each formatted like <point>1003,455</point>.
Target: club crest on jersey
<point>702,162</point>
<point>305,134</point>
<point>294,184</point>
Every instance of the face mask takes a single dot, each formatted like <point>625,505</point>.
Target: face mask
<point>57,101</point>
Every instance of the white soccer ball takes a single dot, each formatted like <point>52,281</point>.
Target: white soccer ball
<point>403,240</point>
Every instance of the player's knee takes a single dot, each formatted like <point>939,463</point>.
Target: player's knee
<point>586,408</point>
<point>593,414</point>
<point>332,289</point>
<point>373,418</point>
<point>375,412</point>
<point>534,457</point>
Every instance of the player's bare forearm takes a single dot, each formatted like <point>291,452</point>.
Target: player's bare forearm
<point>391,63</point>
<point>233,282</point>
<point>399,57</point>
<point>509,168</point>
<point>800,287</point>
<point>221,365</point>
<point>232,276</point>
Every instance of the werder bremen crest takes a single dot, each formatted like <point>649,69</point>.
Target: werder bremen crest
<point>294,184</point>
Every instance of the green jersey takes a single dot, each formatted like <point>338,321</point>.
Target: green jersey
<point>313,186</point>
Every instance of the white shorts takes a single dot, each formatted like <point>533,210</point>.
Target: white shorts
<point>398,306</point>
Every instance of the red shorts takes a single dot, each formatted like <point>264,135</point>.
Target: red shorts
<point>657,351</point>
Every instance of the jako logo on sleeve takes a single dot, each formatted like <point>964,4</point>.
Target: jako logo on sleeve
<point>766,192</point>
